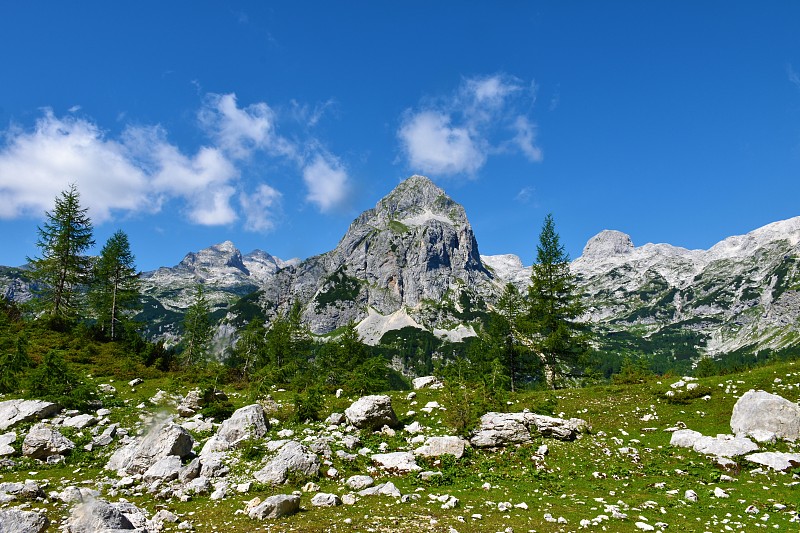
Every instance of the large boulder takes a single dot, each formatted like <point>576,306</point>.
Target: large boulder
<point>249,422</point>
<point>724,445</point>
<point>5,443</point>
<point>371,412</point>
<point>165,469</point>
<point>779,461</point>
<point>292,457</point>
<point>12,412</point>
<point>438,446</point>
<point>43,440</point>
<point>426,382</point>
<point>162,440</point>
<point>760,414</point>
<point>96,515</point>
<point>19,521</point>
<point>503,429</point>
<point>276,507</point>
<point>397,462</point>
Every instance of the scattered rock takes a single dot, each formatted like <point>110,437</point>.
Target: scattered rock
<point>324,499</point>
<point>96,515</point>
<point>359,482</point>
<point>763,413</point>
<point>437,446</point>
<point>397,462</point>
<point>292,457</point>
<point>12,412</point>
<point>165,469</point>
<point>43,440</point>
<point>779,461</point>
<point>5,443</point>
<point>427,382</point>
<point>371,412</point>
<point>246,423</point>
<point>276,507</point>
<point>19,521</point>
<point>80,421</point>
<point>502,429</point>
<point>162,440</point>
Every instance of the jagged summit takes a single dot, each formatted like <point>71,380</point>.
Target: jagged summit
<point>608,242</point>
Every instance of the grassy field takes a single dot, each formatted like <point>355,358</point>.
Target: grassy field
<point>623,476</point>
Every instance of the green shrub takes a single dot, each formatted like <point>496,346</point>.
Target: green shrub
<point>55,381</point>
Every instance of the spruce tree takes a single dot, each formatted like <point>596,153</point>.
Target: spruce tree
<point>63,268</point>
<point>114,293</point>
<point>554,306</point>
<point>196,329</point>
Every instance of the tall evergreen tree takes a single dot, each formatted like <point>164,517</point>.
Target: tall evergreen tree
<point>554,305</point>
<point>62,268</point>
<point>196,328</point>
<point>114,293</point>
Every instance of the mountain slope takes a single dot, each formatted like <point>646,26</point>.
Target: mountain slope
<point>407,261</point>
<point>740,294</point>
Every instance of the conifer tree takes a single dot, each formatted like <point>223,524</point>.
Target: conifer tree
<point>63,268</point>
<point>554,305</point>
<point>196,328</point>
<point>114,293</point>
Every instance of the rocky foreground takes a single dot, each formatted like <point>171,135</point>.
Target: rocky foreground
<point>170,456</point>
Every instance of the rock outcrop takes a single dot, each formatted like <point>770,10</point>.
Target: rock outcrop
<point>766,417</point>
<point>43,440</point>
<point>503,429</point>
<point>12,412</point>
<point>371,412</point>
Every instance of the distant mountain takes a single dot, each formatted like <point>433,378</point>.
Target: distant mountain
<point>413,260</point>
<point>742,294</point>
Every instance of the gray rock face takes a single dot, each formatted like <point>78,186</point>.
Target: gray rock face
<point>324,499</point>
<point>12,412</point>
<point>276,507</point>
<point>6,439</point>
<point>19,521</point>
<point>437,446</point>
<point>758,412</point>
<point>397,462</point>
<point>719,446</point>
<point>371,412</point>
<point>415,246</point>
<point>426,382</point>
<point>97,515</point>
<point>161,441</point>
<point>246,423</point>
<point>778,461</point>
<point>503,429</point>
<point>165,469</point>
<point>292,457</point>
<point>80,421</point>
<point>359,482</point>
<point>43,440</point>
<point>29,490</point>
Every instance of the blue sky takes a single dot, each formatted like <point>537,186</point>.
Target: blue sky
<point>274,124</point>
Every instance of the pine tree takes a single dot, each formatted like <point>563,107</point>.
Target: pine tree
<point>63,239</point>
<point>114,293</point>
<point>554,305</point>
<point>196,329</point>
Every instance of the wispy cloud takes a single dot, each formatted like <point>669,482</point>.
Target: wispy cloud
<point>140,170</point>
<point>794,77</point>
<point>259,208</point>
<point>455,135</point>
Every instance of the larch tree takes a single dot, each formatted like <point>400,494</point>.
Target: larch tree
<point>63,268</point>
<point>196,329</point>
<point>554,306</point>
<point>114,294</point>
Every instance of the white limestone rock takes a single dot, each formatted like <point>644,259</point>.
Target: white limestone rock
<point>371,412</point>
<point>43,440</point>
<point>760,413</point>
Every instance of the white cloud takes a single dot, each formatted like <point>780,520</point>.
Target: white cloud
<point>525,139</point>
<point>140,170</point>
<point>794,77</point>
<point>434,145</point>
<point>327,183</point>
<point>525,195</point>
<point>135,173</point>
<point>240,131</point>
<point>259,208</point>
<point>456,135</point>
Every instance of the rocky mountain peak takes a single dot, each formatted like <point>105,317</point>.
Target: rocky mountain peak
<point>608,243</point>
